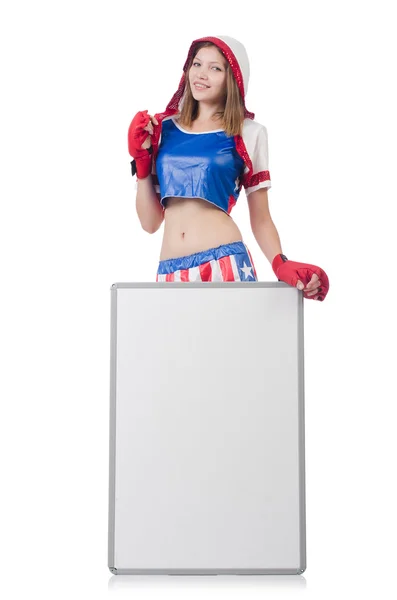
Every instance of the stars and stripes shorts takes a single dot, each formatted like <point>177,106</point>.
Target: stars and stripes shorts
<point>229,262</point>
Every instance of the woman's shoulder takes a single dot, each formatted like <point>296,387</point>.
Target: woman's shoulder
<point>163,119</point>
<point>252,127</point>
<point>166,117</point>
<point>254,134</point>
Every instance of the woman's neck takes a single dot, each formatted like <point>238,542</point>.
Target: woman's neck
<point>208,114</point>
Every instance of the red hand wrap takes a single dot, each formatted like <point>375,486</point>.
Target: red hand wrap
<point>136,136</point>
<point>290,272</point>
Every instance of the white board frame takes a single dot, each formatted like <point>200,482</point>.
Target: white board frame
<point>207,442</point>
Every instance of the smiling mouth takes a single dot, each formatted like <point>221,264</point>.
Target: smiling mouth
<point>200,86</point>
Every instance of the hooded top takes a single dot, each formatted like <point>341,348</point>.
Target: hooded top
<point>210,165</point>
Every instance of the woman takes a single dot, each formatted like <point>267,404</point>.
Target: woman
<point>191,162</point>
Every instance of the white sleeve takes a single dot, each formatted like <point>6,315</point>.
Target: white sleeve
<point>259,154</point>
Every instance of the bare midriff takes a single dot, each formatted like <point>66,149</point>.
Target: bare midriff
<point>192,225</point>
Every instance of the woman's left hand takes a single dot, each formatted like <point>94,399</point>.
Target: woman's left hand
<point>309,278</point>
<point>313,288</point>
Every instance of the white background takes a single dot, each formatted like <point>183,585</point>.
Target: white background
<point>73,74</point>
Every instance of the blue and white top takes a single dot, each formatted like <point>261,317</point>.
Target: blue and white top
<point>198,165</point>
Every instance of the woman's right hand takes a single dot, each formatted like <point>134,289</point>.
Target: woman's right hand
<point>139,142</point>
<point>149,127</point>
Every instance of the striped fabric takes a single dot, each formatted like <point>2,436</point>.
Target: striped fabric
<point>229,262</point>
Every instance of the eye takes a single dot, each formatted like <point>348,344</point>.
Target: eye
<point>197,63</point>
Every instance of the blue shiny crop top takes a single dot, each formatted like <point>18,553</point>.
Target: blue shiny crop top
<point>198,165</point>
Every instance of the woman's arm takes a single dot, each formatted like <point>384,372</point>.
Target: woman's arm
<point>307,277</point>
<point>262,225</point>
<point>148,207</point>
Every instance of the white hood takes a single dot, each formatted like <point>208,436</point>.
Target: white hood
<point>236,55</point>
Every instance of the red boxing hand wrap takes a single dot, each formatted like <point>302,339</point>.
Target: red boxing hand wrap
<point>136,136</point>
<point>290,272</point>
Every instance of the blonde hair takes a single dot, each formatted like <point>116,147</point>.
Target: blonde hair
<point>232,115</point>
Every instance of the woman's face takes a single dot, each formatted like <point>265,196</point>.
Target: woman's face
<point>207,75</point>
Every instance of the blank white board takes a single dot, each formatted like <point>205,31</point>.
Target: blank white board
<point>207,465</point>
